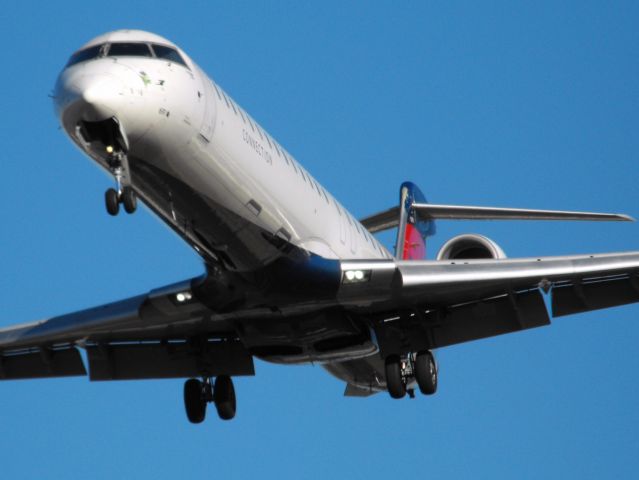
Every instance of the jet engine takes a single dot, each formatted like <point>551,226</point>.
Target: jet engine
<point>470,246</point>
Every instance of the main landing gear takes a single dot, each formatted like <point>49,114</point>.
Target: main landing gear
<point>400,372</point>
<point>124,194</point>
<point>197,394</point>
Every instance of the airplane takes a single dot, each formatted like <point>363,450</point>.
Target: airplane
<point>291,277</point>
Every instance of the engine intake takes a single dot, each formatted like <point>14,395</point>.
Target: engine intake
<point>470,246</point>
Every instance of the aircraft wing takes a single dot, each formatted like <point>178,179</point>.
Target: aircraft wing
<point>431,304</point>
<point>171,332</point>
<point>145,336</point>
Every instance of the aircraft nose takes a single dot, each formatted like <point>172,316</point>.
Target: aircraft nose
<point>101,94</point>
<point>90,97</point>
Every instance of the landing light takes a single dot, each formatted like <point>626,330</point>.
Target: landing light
<point>356,276</point>
<point>183,297</point>
<point>109,149</point>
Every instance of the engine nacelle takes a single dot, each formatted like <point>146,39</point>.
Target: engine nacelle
<point>470,246</point>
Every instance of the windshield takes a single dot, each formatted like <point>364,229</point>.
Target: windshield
<point>161,52</point>
<point>86,54</point>
<point>168,53</point>
<point>129,50</point>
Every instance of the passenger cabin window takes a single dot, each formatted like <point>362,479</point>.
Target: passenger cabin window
<point>84,55</point>
<point>129,50</point>
<point>169,54</point>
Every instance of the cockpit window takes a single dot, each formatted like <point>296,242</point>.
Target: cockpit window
<point>169,54</point>
<point>162,52</point>
<point>86,54</point>
<point>129,50</point>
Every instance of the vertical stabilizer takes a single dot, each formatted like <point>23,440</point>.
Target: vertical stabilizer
<point>411,232</point>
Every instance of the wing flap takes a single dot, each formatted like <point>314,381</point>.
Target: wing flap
<point>44,363</point>
<point>488,318</point>
<point>168,360</point>
<point>441,327</point>
<point>594,295</point>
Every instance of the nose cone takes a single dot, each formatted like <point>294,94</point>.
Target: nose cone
<point>101,94</point>
<point>92,97</point>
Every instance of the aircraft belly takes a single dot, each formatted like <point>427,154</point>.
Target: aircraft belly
<point>366,373</point>
<point>195,194</point>
<point>330,335</point>
<point>222,235</point>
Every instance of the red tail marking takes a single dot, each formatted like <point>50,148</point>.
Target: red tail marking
<point>414,244</point>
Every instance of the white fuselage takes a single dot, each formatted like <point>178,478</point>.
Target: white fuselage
<point>185,133</point>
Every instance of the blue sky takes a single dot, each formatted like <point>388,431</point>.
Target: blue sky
<point>532,105</point>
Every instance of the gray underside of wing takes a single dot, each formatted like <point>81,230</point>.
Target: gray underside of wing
<point>412,305</point>
<point>137,318</point>
<point>434,304</point>
<point>466,280</point>
<point>147,336</point>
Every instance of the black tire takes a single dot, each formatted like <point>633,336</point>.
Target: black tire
<point>426,373</point>
<point>394,381</point>
<point>129,200</point>
<point>224,397</point>
<point>112,202</point>
<point>194,401</point>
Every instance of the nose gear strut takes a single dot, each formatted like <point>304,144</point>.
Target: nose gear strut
<point>124,194</point>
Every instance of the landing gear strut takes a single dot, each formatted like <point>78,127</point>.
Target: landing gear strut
<point>401,372</point>
<point>124,194</point>
<point>197,394</point>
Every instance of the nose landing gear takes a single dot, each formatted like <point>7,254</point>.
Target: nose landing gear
<point>197,394</point>
<point>124,194</point>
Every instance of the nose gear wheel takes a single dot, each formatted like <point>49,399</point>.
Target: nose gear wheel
<point>124,193</point>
